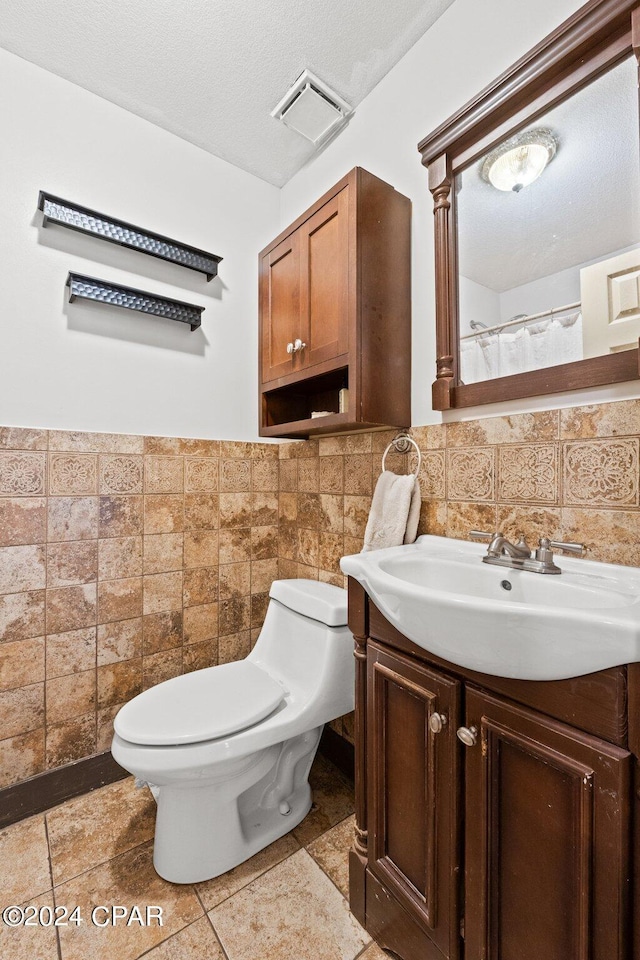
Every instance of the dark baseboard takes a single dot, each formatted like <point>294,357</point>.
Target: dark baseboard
<point>48,789</point>
<point>338,750</point>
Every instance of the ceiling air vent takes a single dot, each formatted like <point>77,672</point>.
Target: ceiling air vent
<point>312,109</point>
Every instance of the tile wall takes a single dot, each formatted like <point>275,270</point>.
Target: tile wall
<point>127,560</point>
<point>124,561</point>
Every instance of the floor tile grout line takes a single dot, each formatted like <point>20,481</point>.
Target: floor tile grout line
<point>101,863</point>
<point>211,924</point>
<point>53,895</point>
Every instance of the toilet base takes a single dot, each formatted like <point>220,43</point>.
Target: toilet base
<point>203,830</point>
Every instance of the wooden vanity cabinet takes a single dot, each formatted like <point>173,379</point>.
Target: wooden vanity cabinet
<point>335,312</point>
<point>516,847</point>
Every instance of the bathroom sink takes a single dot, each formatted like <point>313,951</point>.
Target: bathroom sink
<point>501,621</point>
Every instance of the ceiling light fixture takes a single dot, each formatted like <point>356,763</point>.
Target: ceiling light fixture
<point>312,109</point>
<point>520,160</point>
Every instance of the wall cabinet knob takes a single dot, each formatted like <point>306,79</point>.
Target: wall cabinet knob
<point>298,345</point>
<point>290,347</point>
<point>437,722</point>
<point>468,735</point>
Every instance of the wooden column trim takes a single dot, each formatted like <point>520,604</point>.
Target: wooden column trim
<point>440,183</point>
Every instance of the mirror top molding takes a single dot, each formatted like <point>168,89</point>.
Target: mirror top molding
<point>595,38</point>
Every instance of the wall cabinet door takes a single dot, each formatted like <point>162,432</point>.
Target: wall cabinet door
<point>413,791</point>
<point>280,306</point>
<point>324,281</point>
<point>546,839</point>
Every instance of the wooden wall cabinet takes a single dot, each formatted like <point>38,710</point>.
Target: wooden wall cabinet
<point>517,846</point>
<point>335,311</point>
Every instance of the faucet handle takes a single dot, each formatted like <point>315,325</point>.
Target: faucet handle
<point>483,535</point>
<point>577,548</point>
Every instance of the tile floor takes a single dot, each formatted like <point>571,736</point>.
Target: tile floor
<point>286,903</point>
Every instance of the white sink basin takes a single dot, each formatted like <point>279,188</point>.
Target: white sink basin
<point>509,623</point>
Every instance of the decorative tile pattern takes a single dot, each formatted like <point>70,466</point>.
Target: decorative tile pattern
<point>601,473</point>
<point>22,474</point>
<point>432,475</point>
<point>163,474</point>
<point>120,474</point>
<point>470,474</point>
<point>528,473</point>
<point>72,474</point>
<point>201,475</point>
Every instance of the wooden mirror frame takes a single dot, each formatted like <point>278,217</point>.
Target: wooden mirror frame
<point>597,37</point>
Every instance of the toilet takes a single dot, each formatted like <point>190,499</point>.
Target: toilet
<point>227,750</point>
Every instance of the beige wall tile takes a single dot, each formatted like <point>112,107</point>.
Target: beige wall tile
<point>104,727</point>
<point>72,518</point>
<point>120,640</point>
<point>612,536</point>
<point>600,473</point>
<point>198,656</point>
<point>119,682</point>
<point>520,428</point>
<point>529,521</point>
<point>528,473</point>
<point>201,475</point>
<point>71,652</point>
<point>356,514</point>
<point>201,511</point>
<point>120,474</point>
<point>265,475</point>
<point>70,740</point>
<point>264,509</point>
<point>308,510</point>
<point>201,548</point>
<point>348,443</point>
<point>163,552</point>
<point>176,446</point>
<point>430,437</point>
<point>78,441</point>
<point>21,663</point>
<point>264,543</point>
<point>235,580</point>
<point>119,557</point>
<point>161,631</point>
<point>69,608</point>
<point>263,573</point>
<point>288,507</point>
<point>471,474</point>
<point>22,520</point>
<point>463,517</point>
<point>259,604</point>
<point>163,514</point>
<point>22,568</point>
<point>234,615</point>
<point>235,545</point>
<point>288,475</point>
<point>331,475</point>
<point>433,518</point>
<point>331,513</point>
<point>73,474</point>
<point>358,474</point>
<point>21,438</point>
<point>432,475</point>
<point>21,710</point>
<point>71,696</point>
<point>309,475</point>
<point>22,615</point>
<point>235,509</point>
<point>200,586</point>
<point>120,516</point>
<point>119,599</point>
<point>618,419</point>
<point>72,562</point>
<point>201,623</point>
<point>235,476</point>
<point>162,666</point>
<point>163,474</point>
<point>330,549</point>
<point>308,541</point>
<point>22,474</point>
<point>162,592</point>
<point>234,646</point>
<point>21,757</point>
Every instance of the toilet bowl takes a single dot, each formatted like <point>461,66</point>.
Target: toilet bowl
<point>227,750</point>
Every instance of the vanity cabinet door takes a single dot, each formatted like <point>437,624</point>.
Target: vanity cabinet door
<point>413,791</point>
<point>546,838</point>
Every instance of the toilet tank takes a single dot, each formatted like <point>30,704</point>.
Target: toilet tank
<point>305,643</point>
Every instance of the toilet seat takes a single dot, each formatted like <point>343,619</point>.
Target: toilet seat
<point>203,705</point>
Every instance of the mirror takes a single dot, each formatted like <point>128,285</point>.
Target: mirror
<point>536,187</point>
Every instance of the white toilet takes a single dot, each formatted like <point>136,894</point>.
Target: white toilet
<point>227,750</point>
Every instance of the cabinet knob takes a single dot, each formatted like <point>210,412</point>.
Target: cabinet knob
<point>298,345</point>
<point>437,722</point>
<point>290,347</point>
<point>468,735</point>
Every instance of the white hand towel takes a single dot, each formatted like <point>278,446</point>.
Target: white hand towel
<point>395,512</point>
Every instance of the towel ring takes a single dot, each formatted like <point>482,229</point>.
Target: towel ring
<point>403,439</point>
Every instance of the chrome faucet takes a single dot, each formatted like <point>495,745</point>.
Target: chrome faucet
<point>519,556</point>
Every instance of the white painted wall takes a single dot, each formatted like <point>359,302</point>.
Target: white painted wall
<point>85,366</point>
<point>476,303</point>
<point>470,45</point>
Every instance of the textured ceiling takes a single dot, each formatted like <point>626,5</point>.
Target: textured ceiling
<point>211,71</point>
<point>585,205</point>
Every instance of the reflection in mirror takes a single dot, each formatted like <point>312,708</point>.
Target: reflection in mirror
<point>548,227</point>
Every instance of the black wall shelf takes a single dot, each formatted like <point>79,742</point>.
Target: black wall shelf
<point>103,291</point>
<point>84,220</point>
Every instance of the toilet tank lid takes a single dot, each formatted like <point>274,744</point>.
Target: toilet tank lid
<point>319,601</point>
